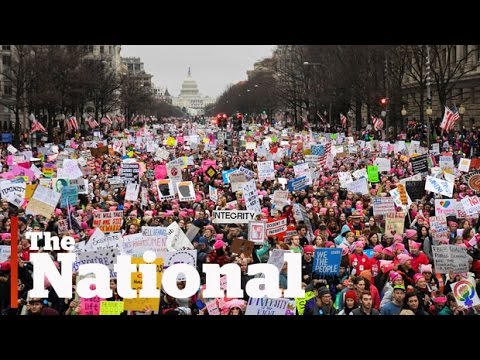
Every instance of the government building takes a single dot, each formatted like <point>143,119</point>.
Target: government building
<point>190,98</point>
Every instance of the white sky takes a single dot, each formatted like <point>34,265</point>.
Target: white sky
<point>212,66</point>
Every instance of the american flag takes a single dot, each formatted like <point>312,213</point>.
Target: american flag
<point>449,118</point>
<point>377,123</point>
<point>343,120</point>
<point>37,126</point>
<point>106,120</point>
<point>92,123</point>
<point>322,119</point>
<point>72,124</point>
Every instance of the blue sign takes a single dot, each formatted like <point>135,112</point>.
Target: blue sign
<point>69,196</point>
<point>327,261</point>
<point>369,253</point>
<point>7,138</point>
<point>297,184</point>
<point>225,174</point>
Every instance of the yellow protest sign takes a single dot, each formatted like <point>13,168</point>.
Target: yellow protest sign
<point>206,140</point>
<point>139,304</point>
<point>302,301</point>
<point>111,307</point>
<point>171,141</point>
<point>29,189</point>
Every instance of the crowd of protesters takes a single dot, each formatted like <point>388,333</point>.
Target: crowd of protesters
<point>382,272</point>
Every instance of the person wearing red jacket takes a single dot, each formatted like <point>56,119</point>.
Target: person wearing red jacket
<point>418,257</point>
<point>358,260</point>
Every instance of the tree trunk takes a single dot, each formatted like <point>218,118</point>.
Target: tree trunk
<point>16,138</point>
<point>358,113</point>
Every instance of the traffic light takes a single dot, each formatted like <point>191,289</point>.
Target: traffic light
<point>384,101</point>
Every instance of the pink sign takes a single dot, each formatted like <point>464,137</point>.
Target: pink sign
<point>90,306</point>
<point>207,163</point>
<point>160,172</point>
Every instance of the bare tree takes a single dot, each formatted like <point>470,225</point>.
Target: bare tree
<point>15,83</point>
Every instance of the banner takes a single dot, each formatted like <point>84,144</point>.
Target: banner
<point>327,261</point>
<point>276,226</point>
<point>450,258</point>
<point>110,221</point>
<point>232,217</point>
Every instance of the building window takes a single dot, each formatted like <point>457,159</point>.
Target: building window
<point>7,89</point>
<point>453,59</point>
<point>465,52</point>
<point>478,53</point>
<point>7,60</point>
<point>6,47</point>
<point>472,96</point>
<point>460,94</point>
<point>110,49</point>
<point>137,67</point>
<point>102,49</point>
<point>130,67</point>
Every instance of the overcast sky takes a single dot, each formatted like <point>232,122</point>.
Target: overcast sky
<point>212,66</point>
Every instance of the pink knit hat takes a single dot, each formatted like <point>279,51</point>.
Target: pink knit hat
<point>410,233</point>
<point>403,258</point>
<point>426,268</point>
<point>218,244</point>
<point>399,247</point>
<point>387,251</point>
<point>394,276</point>
<point>359,244</point>
<point>397,238</point>
<point>417,277</point>
<point>378,248</point>
<point>414,245</point>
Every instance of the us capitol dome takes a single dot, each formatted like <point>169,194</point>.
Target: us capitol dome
<point>190,97</point>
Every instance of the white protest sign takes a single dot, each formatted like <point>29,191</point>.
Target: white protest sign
<point>250,196</point>
<point>11,149</point>
<point>132,192</point>
<point>345,178</point>
<point>43,202</point>
<point>266,171</point>
<point>107,257</point>
<point>383,164</point>
<point>358,186</point>
<point>276,258</point>
<point>5,251</point>
<point>439,186</point>
<point>213,193</point>
<point>450,258</point>
<point>232,217</point>
<point>176,238</point>
<point>266,306</point>
<point>471,204</point>
<point>71,168</point>
<point>446,207</point>
<point>464,165</point>
<point>303,170</point>
<point>361,173</point>
<point>465,293</point>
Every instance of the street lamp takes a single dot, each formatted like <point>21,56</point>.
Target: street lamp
<point>461,111</point>
<point>404,111</point>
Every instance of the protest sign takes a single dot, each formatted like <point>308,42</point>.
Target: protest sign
<point>266,306</point>
<point>186,191</point>
<point>327,261</point>
<point>111,307</point>
<point>450,258</point>
<point>256,231</point>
